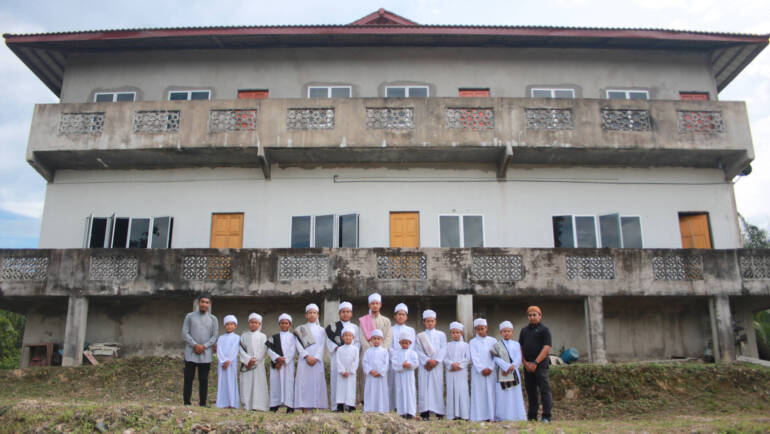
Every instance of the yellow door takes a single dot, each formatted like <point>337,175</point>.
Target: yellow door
<point>404,229</point>
<point>227,231</point>
<point>695,231</point>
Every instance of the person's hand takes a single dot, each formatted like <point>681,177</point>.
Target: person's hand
<point>455,367</point>
<point>531,367</point>
<point>199,349</point>
<point>510,369</point>
<point>311,360</point>
<point>374,373</point>
<point>279,362</point>
<point>226,364</point>
<point>486,372</point>
<point>251,362</point>
<point>344,374</point>
<point>407,365</point>
<point>430,364</point>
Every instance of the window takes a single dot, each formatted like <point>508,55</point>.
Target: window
<point>329,91</point>
<point>324,231</point>
<point>544,92</point>
<point>253,94</point>
<point>474,93</point>
<point>130,232</point>
<point>694,96</point>
<point>406,91</point>
<point>627,94</point>
<point>461,231</point>
<point>114,96</point>
<point>614,231</point>
<point>188,95</point>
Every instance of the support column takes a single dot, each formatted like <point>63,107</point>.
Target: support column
<point>594,314</point>
<point>330,312</point>
<point>75,331</point>
<point>722,334</point>
<point>465,313</point>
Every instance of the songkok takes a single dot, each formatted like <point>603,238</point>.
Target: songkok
<point>506,325</point>
<point>285,316</point>
<point>230,318</point>
<point>405,335</point>
<point>345,305</point>
<point>375,297</point>
<point>456,325</point>
<point>376,332</point>
<point>401,306</point>
<point>479,322</point>
<point>348,329</point>
<point>534,309</point>
<point>256,316</point>
<point>429,314</point>
<point>312,306</point>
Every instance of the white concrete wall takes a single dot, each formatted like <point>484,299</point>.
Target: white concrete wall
<point>517,213</point>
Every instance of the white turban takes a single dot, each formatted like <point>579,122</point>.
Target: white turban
<point>349,329</point>
<point>230,318</point>
<point>312,306</point>
<point>429,314</point>
<point>506,325</point>
<point>375,297</point>
<point>376,332</point>
<point>405,335</point>
<point>401,306</point>
<point>345,305</point>
<point>456,325</point>
<point>479,322</point>
<point>255,316</point>
<point>285,316</point>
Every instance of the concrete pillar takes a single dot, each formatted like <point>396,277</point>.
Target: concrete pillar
<point>722,334</point>
<point>465,313</point>
<point>594,314</point>
<point>330,312</point>
<point>75,331</point>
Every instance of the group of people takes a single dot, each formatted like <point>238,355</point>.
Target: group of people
<point>383,356</point>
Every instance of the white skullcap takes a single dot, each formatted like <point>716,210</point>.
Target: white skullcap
<point>479,321</point>
<point>506,325</point>
<point>312,306</point>
<point>345,305</point>
<point>375,297</point>
<point>377,332</point>
<point>405,335</point>
<point>230,318</point>
<point>429,314</point>
<point>285,316</point>
<point>348,329</point>
<point>456,325</point>
<point>401,306</point>
<point>256,316</point>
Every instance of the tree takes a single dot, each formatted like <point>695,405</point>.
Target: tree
<point>753,237</point>
<point>11,335</point>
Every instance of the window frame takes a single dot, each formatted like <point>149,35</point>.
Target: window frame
<point>189,94</point>
<point>628,93</point>
<point>407,89</point>
<point>112,220</point>
<point>552,90</point>
<point>461,229</point>
<point>115,96</point>
<point>329,91</point>
<point>598,230</point>
<point>336,230</point>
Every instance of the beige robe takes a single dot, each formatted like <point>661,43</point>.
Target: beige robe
<point>254,394</point>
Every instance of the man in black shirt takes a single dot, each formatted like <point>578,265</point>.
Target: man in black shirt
<point>535,340</point>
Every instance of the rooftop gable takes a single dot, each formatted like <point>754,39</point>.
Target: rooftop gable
<point>382,17</point>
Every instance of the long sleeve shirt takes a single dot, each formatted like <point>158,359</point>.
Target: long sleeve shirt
<point>199,329</point>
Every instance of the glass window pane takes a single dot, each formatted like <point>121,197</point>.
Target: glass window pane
<point>98,232</point>
<point>349,230</point>
<point>104,97</point>
<point>318,92</point>
<point>610,230</point>
<point>637,95</point>
<point>177,96</point>
<point>449,225</point>
<point>160,229</point>
<point>324,231</point>
<point>200,95</point>
<point>473,231</point>
<point>616,95</point>
<point>563,93</point>
<point>632,232</point>
<point>395,92</point>
<point>541,93</point>
<point>586,231</point>
<point>125,97</point>
<point>140,233</point>
<point>300,232</point>
<point>120,236</point>
<point>418,92</point>
<point>340,92</point>
<point>562,231</point>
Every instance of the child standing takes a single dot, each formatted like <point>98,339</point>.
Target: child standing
<point>282,349</point>
<point>431,349</point>
<point>310,382</point>
<point>401,314</point>
<point>483,382</point>
<point>456,362</point>
<point>403,361</point>
<point>252,355</point>
<point>347,365</point>
<point>376,362</point>
<point>227,370</point>
<point>509,401</point>
<point>334,341</point>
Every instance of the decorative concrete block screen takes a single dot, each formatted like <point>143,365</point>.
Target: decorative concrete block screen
<point>590,267</point>
<point>755,267</point>
<point>81,123</point>
<point>305,267</point>
<point>310,119</point>
<point>157,121</point>
<point>24,268</point>
<point>402,267</point>
<point>700,122</point>
<point>389,118</point>
<point>678,267</point>
<point>549,119</point>
<point>206,268</point>
<point>468,118</point>
<point>232,120</point>
<point>497,268</point>
<point>113,268</point>
<point>625,120</point>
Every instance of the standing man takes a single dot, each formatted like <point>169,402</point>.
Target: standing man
<point>535,340</point>
<point>199,331</point>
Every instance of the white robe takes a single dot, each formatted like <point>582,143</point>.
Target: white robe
<point>482,388</point>
<point>376,395</point>
<point>227,381</point>
<point>395,346</point>
<point>282,380</point>
<point>406,402</point>
<point>310,383</point>
<point>457,399</point>
<point>346,361</point>
<point>253,381</point>
<point>509,403</point>
<point>332,347</point>
<point>431,383</point>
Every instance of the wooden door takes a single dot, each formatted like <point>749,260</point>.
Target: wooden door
<point>694,96</point>
<point>474,93</point>
<point>695,231</point>
<point>404,229</point>
<point>227,231</point>
<point>253,94</point>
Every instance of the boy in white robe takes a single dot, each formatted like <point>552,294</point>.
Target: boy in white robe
<point>509,401</point>
<point>404,361</point>
<point>401,314</point>
<point>282,365</point>
<point>227,365</point>
<point>456,362</point>
<point>345,311</point>
<point>375,364</point>
<point>347,366</point>
<point>252,354</point>
<point>431,349</point>
<point>310,382</point>
<point>483,380</point>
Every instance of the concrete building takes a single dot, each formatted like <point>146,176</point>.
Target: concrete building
<point>472,170</point>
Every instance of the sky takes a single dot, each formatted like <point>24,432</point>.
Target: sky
<point>22,190</point>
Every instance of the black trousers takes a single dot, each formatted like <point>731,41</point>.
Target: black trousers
<point>534,381</point>
<point>203,381</point>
